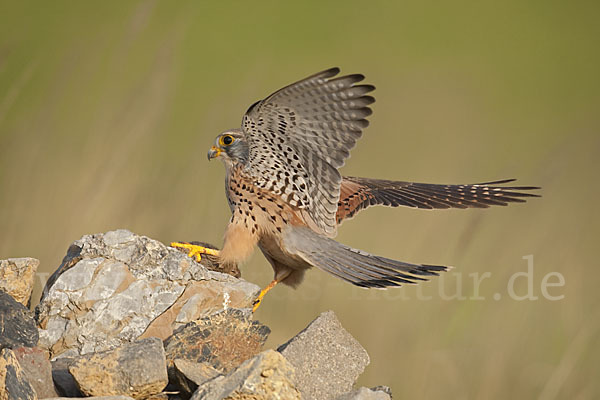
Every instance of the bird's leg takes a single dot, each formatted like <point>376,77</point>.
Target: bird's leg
<point>262,294</point>
<point>195,250</point>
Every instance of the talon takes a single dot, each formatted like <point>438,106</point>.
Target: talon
<point>256,304</point>
<point>262,294</point>
<point>195,250</point>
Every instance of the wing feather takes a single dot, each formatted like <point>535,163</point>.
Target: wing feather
<point>300,135</point>
<point>359,193</point>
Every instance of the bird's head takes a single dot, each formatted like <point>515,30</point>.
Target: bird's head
<point>230,146</point>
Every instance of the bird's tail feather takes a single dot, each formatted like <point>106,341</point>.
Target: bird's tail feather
<point>355,266</point>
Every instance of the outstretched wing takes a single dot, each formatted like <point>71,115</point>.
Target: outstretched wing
<point>359,193</point>
<point>300,135</point>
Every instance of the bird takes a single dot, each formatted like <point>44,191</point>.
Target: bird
<point>287,196</point>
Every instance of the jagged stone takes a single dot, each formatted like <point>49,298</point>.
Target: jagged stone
<point>158,396</point>
<point>134,369</point>
<point>16,324</point>
<point>37,369</point>
<point>328,360</point>
<point>266,376</point>
<point>364,393</point>
<point>188,375</point>
<point>224,340</point>
<point>382,388</point>
<point>14,385</point>
<point>114,292</point>
<point>116,287</point>
<point>63,380</point>
<point>17,277</point>
<point>94,398</point>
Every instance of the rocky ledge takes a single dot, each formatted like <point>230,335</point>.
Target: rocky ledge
<point>126,317</point>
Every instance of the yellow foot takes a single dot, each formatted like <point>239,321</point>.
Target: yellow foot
<point>195,250</point>
<point>260,297</point>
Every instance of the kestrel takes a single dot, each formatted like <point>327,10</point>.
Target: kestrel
<point>287,196</point>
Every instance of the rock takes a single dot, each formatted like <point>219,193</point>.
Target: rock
<point>13,382</point>
<point>136,369</point>
<point>94,398</point>
<point>328,360</point>
<point>266,376</point>
<point>37,369</point>
<point>364,393</point>
<point>189,375</point>
<point>63,380</point>
<point>116,287</point>
<point>382,388</point>
<point>17,277</point>
<point>223,340</point>
<point>158,396</point>
<point>16,324</point>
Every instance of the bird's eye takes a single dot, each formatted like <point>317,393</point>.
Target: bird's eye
<point>226,140</point>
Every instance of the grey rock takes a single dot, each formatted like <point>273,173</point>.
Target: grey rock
<point>37,369</point>
<point>117,287</point>
<point>189,375</point>
<point>63,380</point>
<point>327,358</point>
<point>136,369</point>
<point>16,324</point>
<point>266,376</point>
<point>17,277</point>
<point>223,340</point>
<point>382,388</point>
<point>13,382</point>
<point>364,393</point>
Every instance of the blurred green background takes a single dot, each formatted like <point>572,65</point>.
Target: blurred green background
<point>107,110</point>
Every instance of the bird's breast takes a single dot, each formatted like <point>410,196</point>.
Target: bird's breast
<point>261,211</point>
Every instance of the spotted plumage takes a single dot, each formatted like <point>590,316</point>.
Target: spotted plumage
<point>300,135</point>
<point>287,196</point>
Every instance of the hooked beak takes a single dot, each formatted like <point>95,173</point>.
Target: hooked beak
<point>214,152</point>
